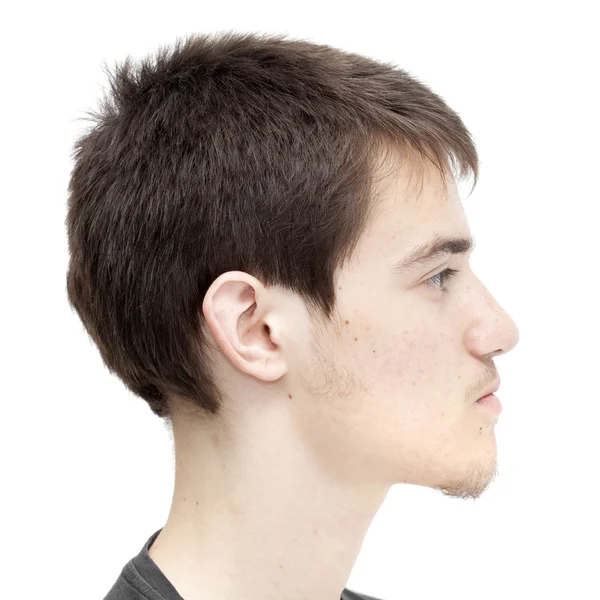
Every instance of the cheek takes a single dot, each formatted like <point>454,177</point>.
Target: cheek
<point>411,365</point>
<point>394,353</point>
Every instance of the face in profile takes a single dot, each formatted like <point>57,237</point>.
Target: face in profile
<point>389,393</point>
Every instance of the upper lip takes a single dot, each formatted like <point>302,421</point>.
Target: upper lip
<point>492,389</point>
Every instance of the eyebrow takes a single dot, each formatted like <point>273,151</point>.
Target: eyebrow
<point>427,252</point>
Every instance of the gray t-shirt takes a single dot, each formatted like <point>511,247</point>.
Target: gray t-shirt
<point>141,579</point>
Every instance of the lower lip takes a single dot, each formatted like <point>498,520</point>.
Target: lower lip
<point>490,401</point>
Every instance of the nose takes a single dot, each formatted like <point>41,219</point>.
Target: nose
<point>493,332</point>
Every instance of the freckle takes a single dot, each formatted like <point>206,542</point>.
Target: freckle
<point>339,288</point>
<point>373,350</point>
<point>289,395</point>
<point>356,339</point>
<point>347,322</point>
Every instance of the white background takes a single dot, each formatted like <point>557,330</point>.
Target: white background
<point>87,468</point>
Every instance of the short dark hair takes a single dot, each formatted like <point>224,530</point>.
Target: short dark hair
<point>225,152</point>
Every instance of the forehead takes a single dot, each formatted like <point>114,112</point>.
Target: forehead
<point>413,205</point>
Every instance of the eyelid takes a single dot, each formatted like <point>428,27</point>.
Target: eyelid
<point>437,271</point>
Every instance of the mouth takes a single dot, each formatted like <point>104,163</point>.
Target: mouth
<point>491,390</point>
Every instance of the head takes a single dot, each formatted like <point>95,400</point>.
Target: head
<point>240,219</point>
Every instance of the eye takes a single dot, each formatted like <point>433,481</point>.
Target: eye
<point>441,277</point>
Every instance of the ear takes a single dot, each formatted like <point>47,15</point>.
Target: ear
<point>237,308</point>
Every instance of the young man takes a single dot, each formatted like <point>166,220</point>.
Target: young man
<point>268,246</point>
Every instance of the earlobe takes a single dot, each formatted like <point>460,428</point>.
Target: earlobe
<point>235,311</point>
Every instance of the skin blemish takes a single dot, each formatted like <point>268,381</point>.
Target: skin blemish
<point>347,322</point>
<point>289,395</point>
<point>356,339</point>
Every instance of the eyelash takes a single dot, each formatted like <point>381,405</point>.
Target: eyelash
<point>443,276</point>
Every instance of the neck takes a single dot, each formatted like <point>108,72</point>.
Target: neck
<point>255,518</point>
